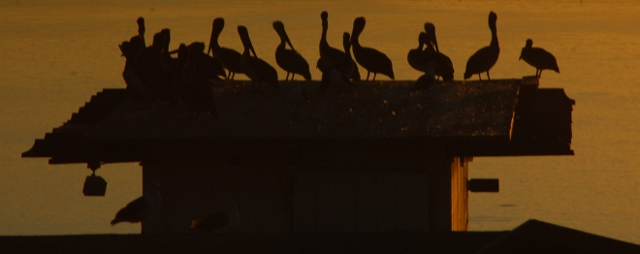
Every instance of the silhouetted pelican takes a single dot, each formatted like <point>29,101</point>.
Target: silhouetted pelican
<point>289,59</point>
<point>486,57</point>
<point>444,65</point>
<point>142,208</point>
<point>141,29</point>
<point>131,74</point>
<point>193,80</point>
<point>371,59</point>
<point>346,43</point>
<point>416,57</point>
<point>332,58</point>
<point>218,222</point>
<point>207,64</point>
<point>229,58</point>
<point>156,75</point>
<point>258,70</point>
<point>539,58</point>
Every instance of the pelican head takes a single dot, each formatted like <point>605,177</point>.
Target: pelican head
<point>529,43</point>
<point>493,17</point>
<point>218,24</point>
<point>324,16</point>
<point>430,29</point>
<point>246,41</point>
<point>279,27</point>
<point>423,38</point>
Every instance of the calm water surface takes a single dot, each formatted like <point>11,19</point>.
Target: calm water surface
<point>56,54</point>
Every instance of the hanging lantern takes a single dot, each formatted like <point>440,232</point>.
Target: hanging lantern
<point>94,185</point>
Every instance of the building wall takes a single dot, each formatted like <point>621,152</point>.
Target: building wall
<point>297,195</point>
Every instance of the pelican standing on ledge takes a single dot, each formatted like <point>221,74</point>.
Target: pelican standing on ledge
<point>289,59</point>
<point>142,208</point>
<point>346,44</point>
<point>258,70</point>
<point>486,57</point>
<point>444,65</point>
<point>370,59</point>
<point>229,58</point>
<point>539,58</point>
<point>332,58</point>
<point>416,57</point>
<point>141,29</point>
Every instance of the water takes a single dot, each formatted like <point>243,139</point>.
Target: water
<point>56,54</point>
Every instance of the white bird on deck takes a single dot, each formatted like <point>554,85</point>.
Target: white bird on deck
<point>142,208</point>
<point>226,221</point>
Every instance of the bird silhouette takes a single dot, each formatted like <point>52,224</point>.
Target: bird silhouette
<point>193,79</point>
<point>141,29</point>
<point>332,58</point>
<point>141,208</point>
<point>416,57</point>
<point>346,44</point>
<point>486,57</point>
<point>443,64</point>
<point>370,59</point>
<point>219,222</point>
<point>229,58</point>
<point>289,59</point>
<point>539,58</point>
<point>257,69</point>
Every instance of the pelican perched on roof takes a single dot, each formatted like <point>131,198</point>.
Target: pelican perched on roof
<point>289,59</point>
<point>539,58</point>
<point>444,65</point>
<point>486,57</point>
<point>141,208</point>
<point>229,58</point>
<point>416,57</point>
<point>370,59</point>
<point>141,29</point>
<point>258,70</point>
<point>346,44</point>
<point>332,58</point>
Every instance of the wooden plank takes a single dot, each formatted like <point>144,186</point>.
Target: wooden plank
<point>346,202</point>
<point>304,196</point>
<point>366,216</point>
<point>325,202</point>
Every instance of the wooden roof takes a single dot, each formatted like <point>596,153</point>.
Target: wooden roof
<point>466,117</point>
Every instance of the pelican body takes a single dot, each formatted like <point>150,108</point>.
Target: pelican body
<point>289,59</point>
<point>370,59</point>
<point>416,57</point>
<point>257,69</point>
<point>141,208</point>
<point>229,58</point>
<point>332,58</point>
<point>486,57</point>
<point>539,58</point>
<point>346,44</point>
<point>444,65</point>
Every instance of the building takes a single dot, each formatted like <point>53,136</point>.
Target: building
<point>374,157</point>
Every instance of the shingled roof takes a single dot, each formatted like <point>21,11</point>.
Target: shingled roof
<point>499,117</point>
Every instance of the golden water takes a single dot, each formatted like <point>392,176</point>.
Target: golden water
<point>56,54</point>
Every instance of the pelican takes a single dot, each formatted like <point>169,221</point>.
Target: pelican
<point>193,81</point>
<point>141,29</point>
<point>539,58</point>
<point>131,74</point>
<point>486,57</point>
<point>220,222</point>
<point>258,70</point>
<point>444,65</point>
<point>289,59</point>
<point>370,59</point>
<point>229,58</point>
<point>332,58</point>
<point>346,43</point>
<point>416,57</point>
<point>141,208</point>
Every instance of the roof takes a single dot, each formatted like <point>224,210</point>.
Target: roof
<point>465,118</point>
<point>536,236</point>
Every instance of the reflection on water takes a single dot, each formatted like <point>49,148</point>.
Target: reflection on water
<point>58,53</point>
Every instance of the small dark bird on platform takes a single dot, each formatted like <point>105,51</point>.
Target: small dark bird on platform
<point>142,208</point>
<point>226,221</point>
<point>289,59</point>
<point>539,58</point>
<point>370,59</point>
<point>229,58</point>
<point>257,69</point>
<point>486,57</point>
